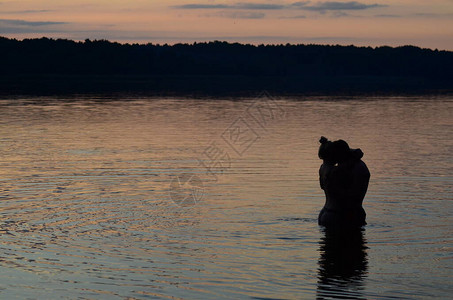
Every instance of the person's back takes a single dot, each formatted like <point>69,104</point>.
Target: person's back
<point>359,185</point>
<point>356,177</point>
<point>355,193</point>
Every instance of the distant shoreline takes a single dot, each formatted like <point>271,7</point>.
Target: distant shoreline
<point>219,69</point>
<point>216,86</point>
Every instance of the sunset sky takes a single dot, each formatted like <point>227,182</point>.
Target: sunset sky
<point>376,22</point>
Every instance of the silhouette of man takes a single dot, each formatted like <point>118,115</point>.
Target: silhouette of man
<point>344,177</point>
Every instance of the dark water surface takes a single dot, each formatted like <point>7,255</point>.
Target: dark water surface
<point>183,198</point>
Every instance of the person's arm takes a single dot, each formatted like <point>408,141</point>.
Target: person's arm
<point>324,173</point>
<point>322,176</point>
<point>357,153</point>
<point>354,156</point>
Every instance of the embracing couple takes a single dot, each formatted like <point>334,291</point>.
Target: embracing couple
<point>344,178</point>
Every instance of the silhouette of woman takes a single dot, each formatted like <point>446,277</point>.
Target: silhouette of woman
<point>344,177</point>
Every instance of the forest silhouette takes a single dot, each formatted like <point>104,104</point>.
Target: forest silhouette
<point>48,66</point>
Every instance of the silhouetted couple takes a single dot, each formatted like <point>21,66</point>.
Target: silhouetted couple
<point>344,178</point>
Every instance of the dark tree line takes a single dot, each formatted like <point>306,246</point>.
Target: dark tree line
<point>49,57</point>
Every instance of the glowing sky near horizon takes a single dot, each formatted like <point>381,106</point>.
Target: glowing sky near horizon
<point>365,23</point>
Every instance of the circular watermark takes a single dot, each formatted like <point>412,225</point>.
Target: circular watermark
<point>186,189</point>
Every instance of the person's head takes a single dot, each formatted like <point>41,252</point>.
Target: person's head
<point>341,151</point>
<point>325,151</point>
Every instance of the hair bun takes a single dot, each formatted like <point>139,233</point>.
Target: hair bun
<point>323,140</point>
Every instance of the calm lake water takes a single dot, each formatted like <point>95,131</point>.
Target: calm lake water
<point>217,199</point>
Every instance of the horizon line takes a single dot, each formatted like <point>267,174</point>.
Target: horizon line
<point>221,41</point>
